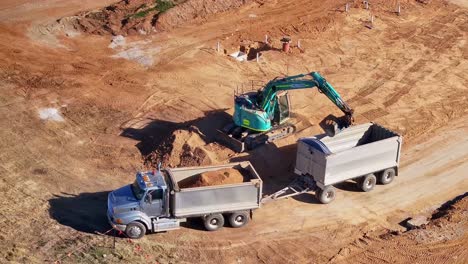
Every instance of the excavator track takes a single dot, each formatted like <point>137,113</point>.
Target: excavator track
<point>240,140</point>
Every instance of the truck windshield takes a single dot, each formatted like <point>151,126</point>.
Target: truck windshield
<point>137,191</point>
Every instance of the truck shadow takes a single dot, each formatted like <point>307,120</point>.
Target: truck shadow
<point>349,186</point>
<point>85,212</point>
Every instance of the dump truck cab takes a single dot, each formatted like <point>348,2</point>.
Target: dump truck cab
<point>137,205</point>
<point>155,202</point>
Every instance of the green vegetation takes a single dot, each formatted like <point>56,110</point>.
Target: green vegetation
<point>160,5</point>
<point>164,5</point>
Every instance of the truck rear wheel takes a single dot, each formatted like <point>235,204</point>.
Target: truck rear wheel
<point>135,230</point>
<point>367,183</point>
<point>213,222</point>
<point>387,176</point>
<point>327,195</point>
<point>239,219</point>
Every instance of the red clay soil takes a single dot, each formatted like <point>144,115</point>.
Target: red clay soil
<point>212,178</point>
<point>192,9</point>
<point>181,148</point>
<point>439,241</point>
<point>122,18</point>
<point>131,17</point>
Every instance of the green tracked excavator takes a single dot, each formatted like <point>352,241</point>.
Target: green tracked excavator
<point>262,116</point>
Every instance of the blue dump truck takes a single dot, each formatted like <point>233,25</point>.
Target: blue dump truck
<point>155,202</point>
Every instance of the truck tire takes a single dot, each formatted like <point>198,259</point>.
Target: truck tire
<point>213,222</point>
<point>367,183</point>
<point>387,176</point>
<point>135,230</point>
<point>239,219</point>
<point>327,195</point>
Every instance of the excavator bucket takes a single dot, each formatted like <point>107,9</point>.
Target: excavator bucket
<point>229,141</point>
<point>333,125</point>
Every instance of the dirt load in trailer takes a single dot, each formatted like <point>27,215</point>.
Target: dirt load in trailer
<point>367,153</point>
<point>230,197</point>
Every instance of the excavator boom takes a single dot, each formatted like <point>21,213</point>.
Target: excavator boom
<point>304,81</point>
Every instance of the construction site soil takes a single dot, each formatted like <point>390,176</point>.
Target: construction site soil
<point>212,178</point>
<point>80,113</point>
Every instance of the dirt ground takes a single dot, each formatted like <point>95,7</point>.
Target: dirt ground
<point>80,113</point>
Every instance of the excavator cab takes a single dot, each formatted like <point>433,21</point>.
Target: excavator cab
<point>282,111</point>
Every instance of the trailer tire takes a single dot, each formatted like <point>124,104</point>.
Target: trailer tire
<point>213,222</point>
<point>326,195</point>
<point>239,219</point>
<point>367,183</point>
<point>135,230</point>
<point>387,176</point>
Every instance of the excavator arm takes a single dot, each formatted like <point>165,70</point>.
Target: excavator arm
<point>327,89</point>
<point>304,81</point>
<point>254,113</point>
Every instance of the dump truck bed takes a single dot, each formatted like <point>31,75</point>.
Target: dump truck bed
<point>357,151</point>
<point>198,201</point>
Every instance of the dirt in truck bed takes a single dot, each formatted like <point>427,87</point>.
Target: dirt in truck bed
<point>213,178</point>
<point>81,112</point>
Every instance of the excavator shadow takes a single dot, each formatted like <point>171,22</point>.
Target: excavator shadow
<point>151,133</point>
<point>275,165</point>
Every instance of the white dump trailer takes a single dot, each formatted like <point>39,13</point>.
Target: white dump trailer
<point>367,153</point>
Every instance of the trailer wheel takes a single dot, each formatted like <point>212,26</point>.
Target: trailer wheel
<point>213,222</point>
<point>387,176</point>
<point>327,195</point>
<point>135,230</point>
<point>367,183</point>
<point>239,219</point>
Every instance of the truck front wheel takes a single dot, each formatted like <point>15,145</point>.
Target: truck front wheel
<point>135,230</point>
<point>387,176</point>
<point>367,183</point>
<point>327,195</point>
<point>213,222</point>
<point>239,219</point>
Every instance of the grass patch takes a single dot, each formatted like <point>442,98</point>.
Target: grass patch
<point>161,6</point>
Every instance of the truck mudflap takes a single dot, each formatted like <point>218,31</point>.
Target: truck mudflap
<point>229,141</point>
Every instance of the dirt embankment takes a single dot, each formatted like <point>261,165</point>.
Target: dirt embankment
<point>442,239</point>
<point>192,9</point>
<point>130,17</point>
<point>123,18</point>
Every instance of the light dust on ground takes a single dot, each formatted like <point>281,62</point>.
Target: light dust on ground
<point>408,73</point>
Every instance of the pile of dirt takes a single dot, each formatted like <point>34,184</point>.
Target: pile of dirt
<point>184,147</point>
<point>212,178</point>
<point>192,9</point>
